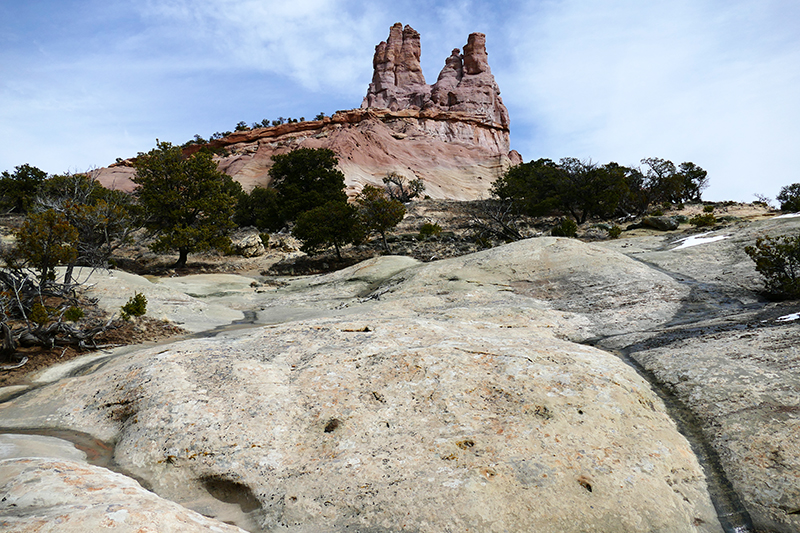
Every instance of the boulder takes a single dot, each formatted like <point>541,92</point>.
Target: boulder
<point>247,242</point>
<point>662,223</point>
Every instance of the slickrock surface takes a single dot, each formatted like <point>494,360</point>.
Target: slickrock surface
<point>44,496</point>
<point>422,397</point>
<point>114,288</point>
<point>733,362</point>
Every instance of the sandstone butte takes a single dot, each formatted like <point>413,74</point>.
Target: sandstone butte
<point>453,134</point>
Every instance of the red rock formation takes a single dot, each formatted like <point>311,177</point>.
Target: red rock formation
<point>454,134</point>
<point>397,80</point>
<point>465,84</point>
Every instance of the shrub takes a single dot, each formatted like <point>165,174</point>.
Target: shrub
<point>136,306</point>
<point>379,213</point>
<point>789,197</point>
<point>39,314</point>
<point>706,219</point>
<point>614,232</point>
<point>708,209</point>
<point>777,259</point>
<point>73,314</point>
<point>567,228</point>
<point>428,230</point>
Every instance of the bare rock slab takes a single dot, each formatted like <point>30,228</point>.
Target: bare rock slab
<point>384,425</point>
<point>47,495</point>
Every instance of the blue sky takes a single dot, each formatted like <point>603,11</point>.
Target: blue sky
<point>709,81</point>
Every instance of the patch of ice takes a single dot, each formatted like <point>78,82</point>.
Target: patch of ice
<point>694,240</point>
<point>788,318</point>
<point>789,215</point>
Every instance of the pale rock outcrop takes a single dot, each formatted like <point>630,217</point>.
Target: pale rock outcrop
<point>400,395</point>
<point>247,242</point>
<point>337,424</point>
<point>733,360</point>
<point>50,495</point>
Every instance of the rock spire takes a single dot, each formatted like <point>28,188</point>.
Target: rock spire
<point>465,84</point>
<point>397,80</point>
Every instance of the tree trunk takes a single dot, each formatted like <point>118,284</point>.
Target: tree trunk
<point>184,255</point>
<point>9,347</point>
<point>385,244</point>
<point>68,274</point>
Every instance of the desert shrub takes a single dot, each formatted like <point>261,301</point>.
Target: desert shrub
<point>789,197</point>
<point>18,189</point>
<point>333,224</point>
<point>567,228</point>
<point>708,209</point>
<point>73,314</point>
<point>428,230</point>
<point>706,219</point>
<point>399,188</point>
<point>39,314</point>
<point>777,259</point>
<point>614,232</point>
<point>136,306</point>
<point>379,213</point>
<point>189,203</point>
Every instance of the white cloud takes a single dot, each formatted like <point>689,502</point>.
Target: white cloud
<point>321,44</point>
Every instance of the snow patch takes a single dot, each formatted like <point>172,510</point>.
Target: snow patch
<point>694,240</point>
<point>789,215</point>
<point>788,318</point>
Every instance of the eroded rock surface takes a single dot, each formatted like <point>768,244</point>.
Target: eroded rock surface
<point>422,397</point>
<point>46,495</point>
<point>733,362</point>
<point>465,84</point>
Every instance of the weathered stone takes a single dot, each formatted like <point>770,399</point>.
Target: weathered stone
<point>439,396</point>
<point>113,288</point>
<point>247,242</point>
<point>457,155</point>
<point>662,223</point>
<point>46,495</point>
<point>475,91</point>
<point>465,84</point>
<point>729,359</point>
<point>397,81</point>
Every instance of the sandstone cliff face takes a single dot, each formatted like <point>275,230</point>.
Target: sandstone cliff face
<point>464,85</point>
<point>397,80</point>
<point>454,135</point>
